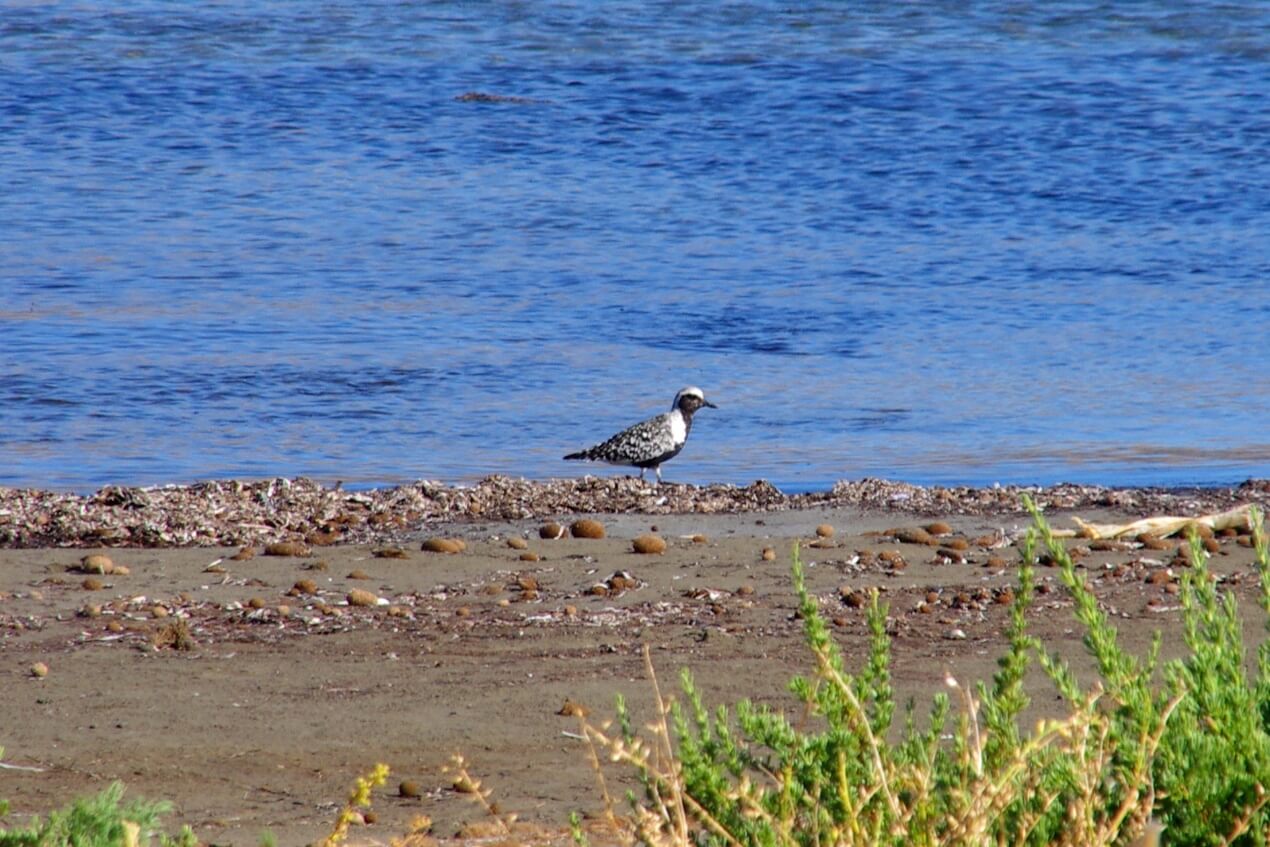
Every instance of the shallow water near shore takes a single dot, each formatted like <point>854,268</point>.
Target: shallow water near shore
<point>1024,244</point>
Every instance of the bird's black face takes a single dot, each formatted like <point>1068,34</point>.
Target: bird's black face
<point>689,403</point>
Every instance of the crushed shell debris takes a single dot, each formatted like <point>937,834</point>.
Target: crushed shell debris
<point>245,514</point>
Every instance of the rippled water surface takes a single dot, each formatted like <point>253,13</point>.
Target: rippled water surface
<point>1028,242</point>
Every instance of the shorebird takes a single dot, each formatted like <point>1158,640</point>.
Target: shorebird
<point>651,442</point>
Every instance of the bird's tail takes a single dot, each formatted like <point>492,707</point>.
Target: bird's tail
<point>580,455</point>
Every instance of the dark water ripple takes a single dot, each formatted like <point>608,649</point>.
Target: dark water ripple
<point>1019,242</point>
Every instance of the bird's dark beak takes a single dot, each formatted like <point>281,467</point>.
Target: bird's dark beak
<point>708,403</point>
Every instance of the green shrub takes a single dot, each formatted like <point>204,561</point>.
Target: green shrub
<point>1185,742</point>
<point>99,821</point>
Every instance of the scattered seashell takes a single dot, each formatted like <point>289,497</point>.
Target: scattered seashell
<point>587,528</point>
<point>443,545</point>
<point>287,548</point>
<point>649,545</point>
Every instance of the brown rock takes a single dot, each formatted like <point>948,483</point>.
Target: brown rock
<point>587,528</point>
<point>528,556</point>
<point>824,531</point>
<point>304,586</point>
<point>700,539</point>
<point>256,603</point>
<point>573,710</point>
<point>408,789</point>
<point>938,528</point>
<point>287,548</point>
<point>517,543</point>
<point>913,535</point>
<point>91,583</point>
<point>358,574</point>
<point>39,670</point>
<point>358,597</point>
<point>443,545</point>
<point>745,591</point>
<point>96,563</point>
<point>389,553</point>
<point>1159,578</point>
<point>769,555</point>
<point>958,544</point>
<point>550,531</point>
<point>244,554</point>
<point>322,538</point>
<point>649,545</point>
<point>527,582</point>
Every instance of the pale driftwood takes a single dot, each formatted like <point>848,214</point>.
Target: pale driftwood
<point>1239,517</point>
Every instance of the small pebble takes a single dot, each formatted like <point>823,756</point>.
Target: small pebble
<point>769,555</point>
<point>517,543</point>
<point>551,531</point>
<point>824,531</point>
<point>39,670</point>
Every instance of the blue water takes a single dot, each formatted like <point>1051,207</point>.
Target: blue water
<point>1024,242</point>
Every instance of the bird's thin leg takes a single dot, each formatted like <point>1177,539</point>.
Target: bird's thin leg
<point>641,474</point>
<point>658,469</point>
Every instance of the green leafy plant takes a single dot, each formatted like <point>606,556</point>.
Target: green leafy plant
<point>100,821</point>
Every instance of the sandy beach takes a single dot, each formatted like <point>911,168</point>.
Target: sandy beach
<point>251,691</point>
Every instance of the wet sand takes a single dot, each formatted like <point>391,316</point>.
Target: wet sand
<point>284,694</point>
